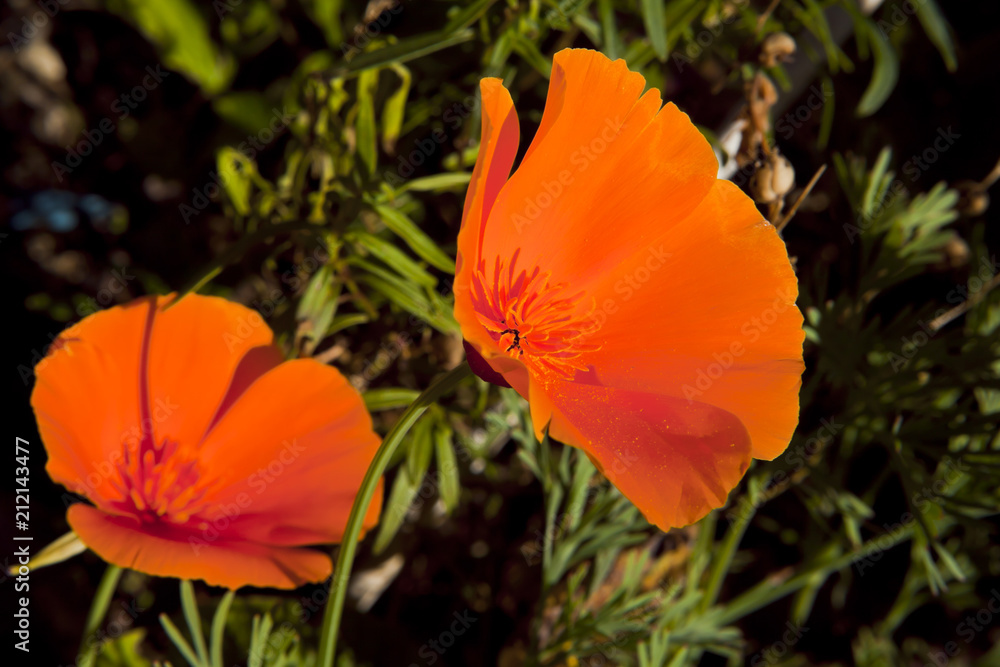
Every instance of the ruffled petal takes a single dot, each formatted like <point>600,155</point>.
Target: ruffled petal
<point>675,459</point>
<point>288,458</point>
<point>170,552</point>
<point>706,311</point>
<point>87,398</point>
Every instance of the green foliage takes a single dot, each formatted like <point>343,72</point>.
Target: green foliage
<point>180,30</point>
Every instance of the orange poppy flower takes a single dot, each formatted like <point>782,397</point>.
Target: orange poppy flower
<point>643,306</point>
<point>204,454</point>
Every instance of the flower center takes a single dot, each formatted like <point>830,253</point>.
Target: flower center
<point>532,319</point>
<point>159,482</point>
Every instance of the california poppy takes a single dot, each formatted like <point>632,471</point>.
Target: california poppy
<point>205,455</point>
<point>644,307</point>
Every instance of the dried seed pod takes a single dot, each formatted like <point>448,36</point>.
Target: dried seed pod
<point>956,252</point>
<point>777,48</point>
<point>773,180</point>
<point>973,200</point>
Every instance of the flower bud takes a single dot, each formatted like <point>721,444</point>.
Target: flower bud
<point>973,199</point>
<point>773,180</point>
<point>777,48</point>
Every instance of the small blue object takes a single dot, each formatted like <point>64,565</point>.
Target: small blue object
<point>64,220</point>
<point>23,220</point>
<point>97,207</point>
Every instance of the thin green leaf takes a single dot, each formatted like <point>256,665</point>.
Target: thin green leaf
<point>447,466</point>
<point>219,627</point>
<point>437,183</point>
<point>419,242</point>
<point>394,257</point>
<point>403,51</point>
<point>182,645</point>
<point>388,398</point>
<point>609,29</point>
<point>367,142</point>
<point>407,483</point>
<point>341,322</point>
<point>467,16</point>
<point>180,31</point>
<point>826,119</point>
<point>234,171</point>
<point>250,111</point>
<point>884,75</point>
<point>193,618</point>
<point>394,109</point>
<point>527,49</point>
<point>408,292</point>
<point>656,26</point>
<point>326,15</point>
<point>938,30</point>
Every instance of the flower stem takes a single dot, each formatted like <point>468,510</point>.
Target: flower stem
<point>98,610</point>
<point>724,557</point>
<point>349,542</point>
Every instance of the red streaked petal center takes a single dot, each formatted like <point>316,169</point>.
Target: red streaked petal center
<point>531,318</point>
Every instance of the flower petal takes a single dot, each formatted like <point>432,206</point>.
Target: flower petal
<point>86,397</point>
<point>170,552</point>
<point>290,455</point>
<point>706,311</point>
<point>196,345</point>
<point>675,459</point>
<point>500,136</point>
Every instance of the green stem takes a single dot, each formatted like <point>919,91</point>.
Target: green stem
<point>98,610</point>
<point>721,564</point>
<point>349,542</point>
<point>219,627</point>
<point>767,592</point>
<point>193,617</point>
